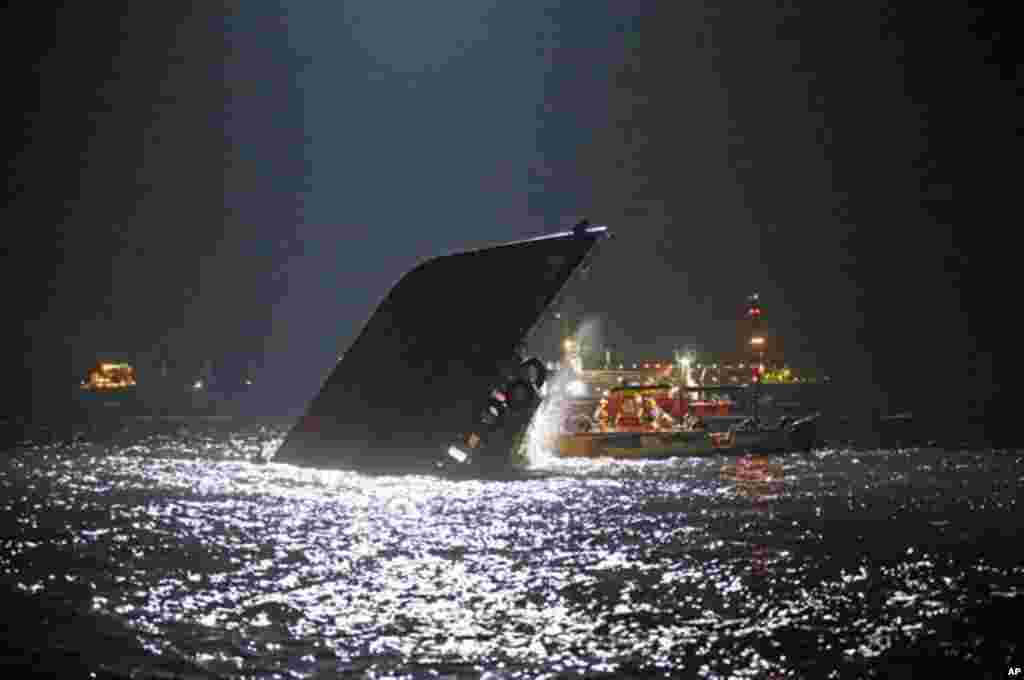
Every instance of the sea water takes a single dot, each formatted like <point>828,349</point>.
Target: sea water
<point>175,550</point>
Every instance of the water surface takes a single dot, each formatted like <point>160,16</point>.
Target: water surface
<point>166,551</point>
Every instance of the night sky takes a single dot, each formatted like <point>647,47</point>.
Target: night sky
<point>245,185</point>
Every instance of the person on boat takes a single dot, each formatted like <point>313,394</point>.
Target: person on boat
<point>649,413</point>
<point>665,419</point>
<point>657,418</point>
<point>601,415</point>
<point>628,415</point>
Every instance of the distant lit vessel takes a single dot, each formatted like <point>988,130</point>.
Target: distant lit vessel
<point>109,385</point>
<point>112,388</point>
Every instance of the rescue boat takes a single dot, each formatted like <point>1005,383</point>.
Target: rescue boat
<point>658,421</point>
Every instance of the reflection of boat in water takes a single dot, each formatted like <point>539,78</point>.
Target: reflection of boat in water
<point>760,481</point>
<point>755,476</point>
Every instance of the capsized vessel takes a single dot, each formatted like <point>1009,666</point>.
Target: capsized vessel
<point>452,328</point>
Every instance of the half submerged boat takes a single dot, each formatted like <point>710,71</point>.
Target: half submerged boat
<point>454,328</point>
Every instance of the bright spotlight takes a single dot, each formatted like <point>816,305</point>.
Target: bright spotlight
<point>457,454</point>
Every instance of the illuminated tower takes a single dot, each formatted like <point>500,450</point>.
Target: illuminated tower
<point>754,316</point>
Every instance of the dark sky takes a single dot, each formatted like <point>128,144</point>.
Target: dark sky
<point>245,183</point>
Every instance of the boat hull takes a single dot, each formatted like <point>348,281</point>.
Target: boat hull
<point>667,445</point>
<point>798,436</point>
<point>448,330</point>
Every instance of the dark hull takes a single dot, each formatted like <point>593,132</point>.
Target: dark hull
<point>654,447</point>
<point>445,333</point>
<point>800,435</point>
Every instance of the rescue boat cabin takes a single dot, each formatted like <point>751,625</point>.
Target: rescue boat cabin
<point>676,401</point>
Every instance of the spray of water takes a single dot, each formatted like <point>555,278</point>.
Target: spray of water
<point>543,431</point>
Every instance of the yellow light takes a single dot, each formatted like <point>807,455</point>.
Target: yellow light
<point>757,340</point>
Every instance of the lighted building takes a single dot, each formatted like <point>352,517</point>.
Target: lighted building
<point>741,371</point>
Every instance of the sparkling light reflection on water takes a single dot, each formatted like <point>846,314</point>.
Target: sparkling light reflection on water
<point>702,567</point>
